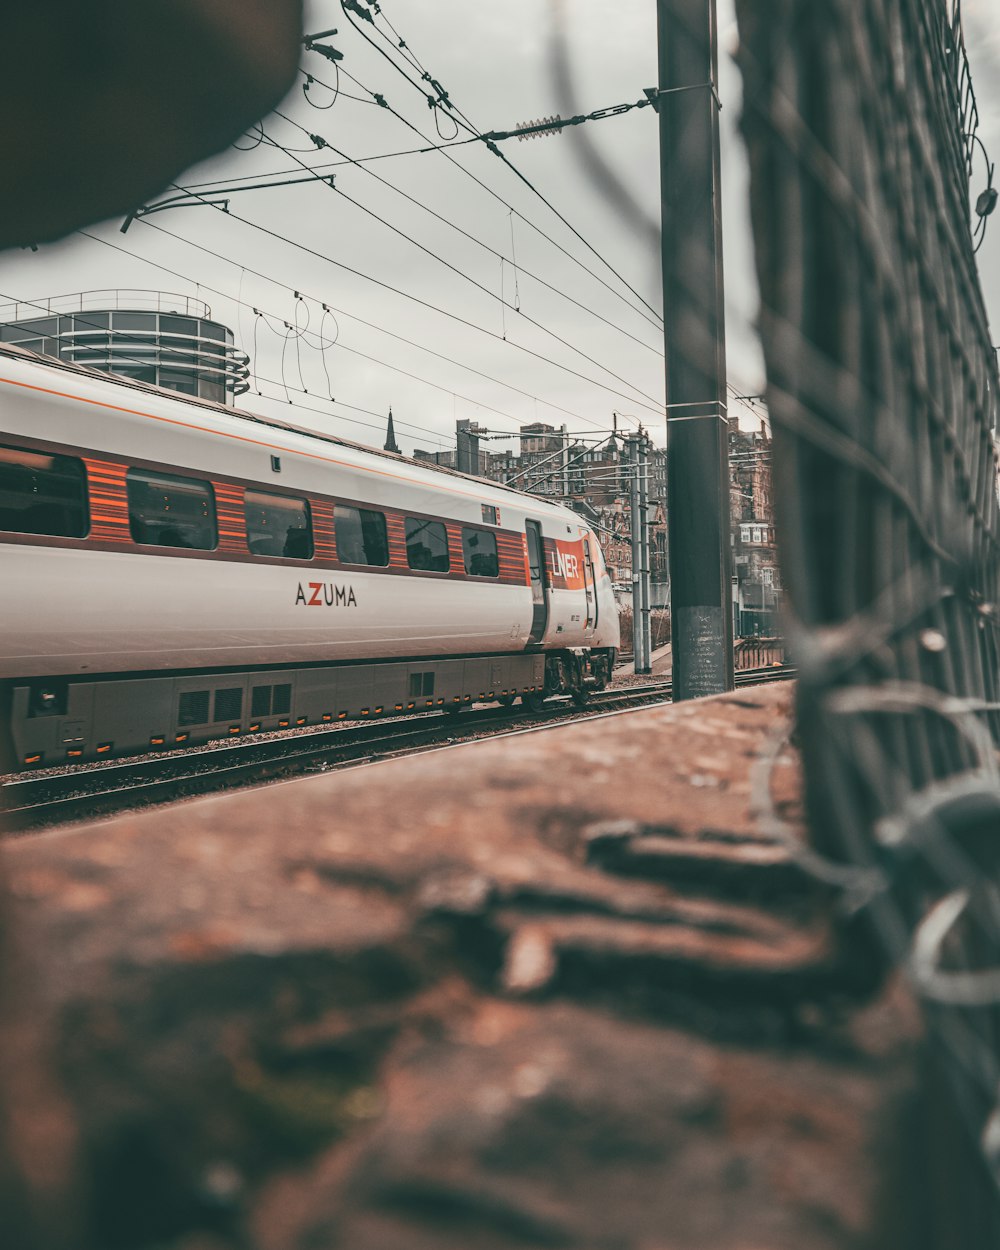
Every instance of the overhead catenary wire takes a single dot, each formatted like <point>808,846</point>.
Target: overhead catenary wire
<point>144,362</point>
<point>457,113</point>
<point>379,426</point>
<point>596,475</point>
<point>559,452</point>
<point>379,99</point>
<point>747,401</point>
<point>655,319</point>
<point>320,345</point>
<point>318,173</point>
<point>274,234</point>
<point>447,221</point>
<point>761,455</point>
<point>474,282</point>
<point>333,309</point>
<point>494,296</point>
<point>256,143</point>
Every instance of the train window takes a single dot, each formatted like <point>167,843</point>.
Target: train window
<point>480,548</point>
<point>361,536</point>
<point>170,511</point>
<point>427,545</point>
<point>42,494</point>
<point>270,700</point>
<point>278,525</point>
<point>421,684</point>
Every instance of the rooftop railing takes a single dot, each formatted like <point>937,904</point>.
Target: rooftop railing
<point>113,300</point>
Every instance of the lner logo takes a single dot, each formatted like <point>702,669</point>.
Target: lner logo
<point>566,565</point>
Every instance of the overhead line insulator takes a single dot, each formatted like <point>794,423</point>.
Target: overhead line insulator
<point>534,130</point>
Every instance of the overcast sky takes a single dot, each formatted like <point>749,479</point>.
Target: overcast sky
<point>494,60</point>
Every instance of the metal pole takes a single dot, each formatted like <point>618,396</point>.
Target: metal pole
<point>632,447</point>
<point>644,596</point>
<point>694,337</point>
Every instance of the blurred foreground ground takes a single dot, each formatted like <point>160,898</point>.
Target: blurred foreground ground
<point>553,990</point>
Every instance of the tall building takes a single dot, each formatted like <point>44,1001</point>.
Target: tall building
<point>152,336</point>
<point>757,578</point>
<point>594,480</point>
<point>468,456</point>
<point>539,439</point>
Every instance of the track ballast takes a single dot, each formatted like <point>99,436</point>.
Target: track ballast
<point>43,799</point>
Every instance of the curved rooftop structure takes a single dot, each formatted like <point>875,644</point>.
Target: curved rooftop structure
<point>165,339</point>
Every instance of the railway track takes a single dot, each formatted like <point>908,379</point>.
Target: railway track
<point>43,799</point>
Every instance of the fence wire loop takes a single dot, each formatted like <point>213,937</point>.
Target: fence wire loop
<point>861,125</point>
<point>958,989</point>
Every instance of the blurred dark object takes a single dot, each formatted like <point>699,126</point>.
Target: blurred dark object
<point>104,104</point>
<point>861,123</point>
<point>579,1006</point>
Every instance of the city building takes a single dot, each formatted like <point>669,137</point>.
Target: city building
<point>390,443</point>
<point>595,479</point>
<point>446,458</point>
<point>756,576</point>
<point>152,336</point>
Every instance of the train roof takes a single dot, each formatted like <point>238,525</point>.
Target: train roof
<point>224,410</point>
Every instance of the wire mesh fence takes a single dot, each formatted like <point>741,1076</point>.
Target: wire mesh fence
<point>882,388</point>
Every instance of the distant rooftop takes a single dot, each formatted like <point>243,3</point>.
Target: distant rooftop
<point>107,300</point>
<point>158,337</point>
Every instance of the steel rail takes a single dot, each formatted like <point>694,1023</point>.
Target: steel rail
<point>49,798</point>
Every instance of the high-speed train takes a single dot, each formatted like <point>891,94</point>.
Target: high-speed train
<point>174,571</point>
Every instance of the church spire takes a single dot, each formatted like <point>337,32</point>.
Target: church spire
<point>390,437</point>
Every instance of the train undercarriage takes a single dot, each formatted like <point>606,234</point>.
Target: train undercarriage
<point>57,721</point>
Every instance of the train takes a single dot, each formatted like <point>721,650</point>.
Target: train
<point>175,571</point>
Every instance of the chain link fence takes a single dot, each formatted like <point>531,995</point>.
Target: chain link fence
<point>860,121</point>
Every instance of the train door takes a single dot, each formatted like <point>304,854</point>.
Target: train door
<point>589,586</point>
<point>536,571</point>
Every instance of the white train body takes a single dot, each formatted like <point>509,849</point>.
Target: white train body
<point>126,603</point>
